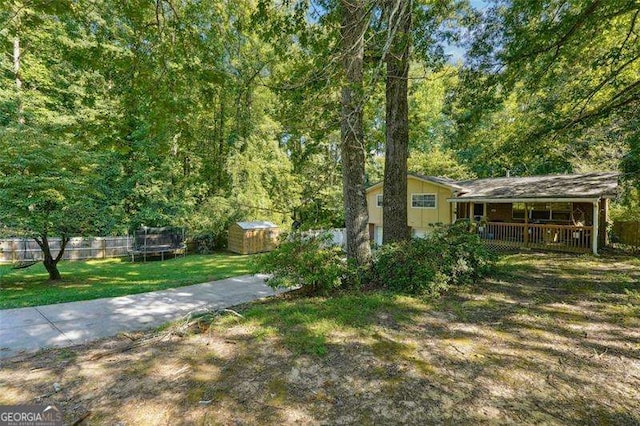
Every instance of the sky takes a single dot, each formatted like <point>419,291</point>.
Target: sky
<point>456,53</point>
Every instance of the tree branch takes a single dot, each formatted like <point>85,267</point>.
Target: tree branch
<point>63,246</point>
<point>604,82</point>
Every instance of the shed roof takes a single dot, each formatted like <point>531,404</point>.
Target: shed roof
<point>256,225</point>
<point>586,185</point>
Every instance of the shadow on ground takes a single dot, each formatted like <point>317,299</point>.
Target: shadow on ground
<point>547,339</point>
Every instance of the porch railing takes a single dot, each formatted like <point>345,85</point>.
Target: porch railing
<point>556,237</point>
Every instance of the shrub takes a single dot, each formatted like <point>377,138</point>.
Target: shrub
<point>208,224</point>
<point>207,243</point>
<point>309,262</point>
<point>450,255</point>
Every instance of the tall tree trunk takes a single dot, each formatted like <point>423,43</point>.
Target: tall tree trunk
<point>354,24</point>
<point>51,263</point>
<point>394,201</point>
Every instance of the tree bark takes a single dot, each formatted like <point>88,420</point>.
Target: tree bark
<point>51,263</point>
<point>394,201</point>
<point>354,25</point>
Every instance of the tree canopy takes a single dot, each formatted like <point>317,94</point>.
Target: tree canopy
<point>555,82</point>
<point>118,114</point>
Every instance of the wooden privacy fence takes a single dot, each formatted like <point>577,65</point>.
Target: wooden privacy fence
<point>626,234</point>
<point>78,248</point>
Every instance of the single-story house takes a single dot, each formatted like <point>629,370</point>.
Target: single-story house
<point>563,212</point>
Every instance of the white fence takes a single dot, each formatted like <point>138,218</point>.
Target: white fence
<point>338,235</point>
<point>78,248</point>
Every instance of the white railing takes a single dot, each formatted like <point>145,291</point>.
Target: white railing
<point>557,237</point>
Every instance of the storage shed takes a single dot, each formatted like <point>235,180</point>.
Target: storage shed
<point>252,237</point>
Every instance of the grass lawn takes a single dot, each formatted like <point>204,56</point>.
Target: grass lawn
<point>113,277</point>
<point>548,339</point>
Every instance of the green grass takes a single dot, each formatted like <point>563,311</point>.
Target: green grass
<point>307,324</point>
<point>94,279</point>
<point>538,324</point>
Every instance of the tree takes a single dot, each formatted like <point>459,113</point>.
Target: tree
<point>48,182</point>
<point>438,162</point>
<point>354,26</point>
<point>551,87</point>
<point>48,190</point>
<point>394,205</point>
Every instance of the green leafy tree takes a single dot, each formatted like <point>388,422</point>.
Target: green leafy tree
<point>48,190</point>
<point>551,87</point>
<point>48,171</point>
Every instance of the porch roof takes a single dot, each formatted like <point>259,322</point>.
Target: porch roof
<point>575,187</point>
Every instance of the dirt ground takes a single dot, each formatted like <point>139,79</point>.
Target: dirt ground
<point>548,339</point>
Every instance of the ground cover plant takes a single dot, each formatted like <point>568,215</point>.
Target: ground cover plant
<point>94,279</point>
<point>546,339</point>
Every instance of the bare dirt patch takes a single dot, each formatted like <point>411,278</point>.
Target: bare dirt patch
<point>548,339</point>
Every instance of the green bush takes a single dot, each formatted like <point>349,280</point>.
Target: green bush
<point>450,255</point>
<point>208,224</point>
<point>310,262</point>
<point>207,243</point>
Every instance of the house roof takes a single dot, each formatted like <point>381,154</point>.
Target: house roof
<point>439,180</point>
<point>587,185</point>
<point>256,225</point>
<point>442,181</point>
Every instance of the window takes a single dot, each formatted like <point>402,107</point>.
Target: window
<point>540,211</point>
<point>543,211</point>
<point>423,201</point>
<point>517,211</point>
<point>379,200</point>
<point>561,211</point>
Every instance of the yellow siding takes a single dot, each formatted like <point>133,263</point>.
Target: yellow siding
<point>418,218</point>
<point>375,213</point>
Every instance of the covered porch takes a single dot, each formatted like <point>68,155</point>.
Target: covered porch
<point>554,212</point>
<point>562,224</point>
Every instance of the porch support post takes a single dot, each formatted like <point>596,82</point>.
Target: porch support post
<point>526,225</point>
<point>596,228</point>
<point>471,211</point>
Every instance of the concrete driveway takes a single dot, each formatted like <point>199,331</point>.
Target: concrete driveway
<point>68,324</point>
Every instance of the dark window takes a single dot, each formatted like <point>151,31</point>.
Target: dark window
<point>423,201</point>
<point>543,211</point>
<point>517,211</point>
<point>540,211</point>
<point>561,211</point>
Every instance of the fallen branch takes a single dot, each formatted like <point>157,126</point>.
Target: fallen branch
<point>457,349</point>
<point>81,418</point>
<point>44,395</point>
<point>231,311</point>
